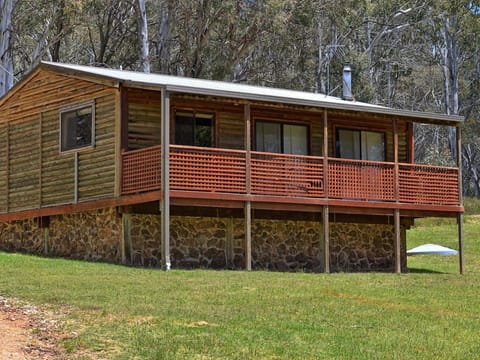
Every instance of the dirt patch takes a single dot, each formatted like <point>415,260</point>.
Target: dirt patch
<point>26,332</point>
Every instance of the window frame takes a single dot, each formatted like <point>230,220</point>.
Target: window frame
<point>360,130</point>
<point>213,126</point>
<point>88,104</point>
<point>282,142</point>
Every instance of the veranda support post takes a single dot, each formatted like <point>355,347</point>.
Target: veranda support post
<point>396,215</point>
<point>325,210</point>
<point>461,256</point>
<point>165,180</point>
<point>398,238</point>
<point>326,239</point>
<point>248,235</point>
<point>248,204</point>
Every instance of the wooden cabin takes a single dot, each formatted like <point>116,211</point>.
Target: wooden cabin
<point>156,170</point>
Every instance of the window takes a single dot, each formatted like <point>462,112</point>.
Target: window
<point>361,145</point>
<point>194,129</point>
<point>281,138</point>
<point>77,127</point>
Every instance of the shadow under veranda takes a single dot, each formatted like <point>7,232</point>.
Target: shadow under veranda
<point>425,271</point>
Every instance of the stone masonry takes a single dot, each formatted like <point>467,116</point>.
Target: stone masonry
<point>206,242</point>
<point>91,235</point>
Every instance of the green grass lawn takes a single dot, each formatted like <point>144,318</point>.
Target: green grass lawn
<point>123,313</point>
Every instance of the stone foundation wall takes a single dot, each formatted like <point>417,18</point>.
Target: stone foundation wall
<point>204,242</point>
<point>145,246</point>
<point>364,247</point>
<point>93,235</point>
<point>22,235</point>
<point>287,245</point>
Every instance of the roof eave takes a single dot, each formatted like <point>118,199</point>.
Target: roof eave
<point>415,116</point>
<point>425,116</point>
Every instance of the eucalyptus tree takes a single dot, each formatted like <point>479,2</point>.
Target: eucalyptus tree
<point>163,37</point>
<point>6,57</point>
<point>143,35</point>
<point>109,36</point>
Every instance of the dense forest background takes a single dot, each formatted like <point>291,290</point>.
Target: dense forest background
<point>417,55</point>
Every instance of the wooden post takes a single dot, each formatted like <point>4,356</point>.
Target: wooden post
<point>248,177</point>
<point>75,178</point>
<point>461,257</point>
<point>326,239</point>
<point>126,240</point>
<point>325,153</point>
<point>395,159</point>
<point>248,148</point>
<point>397,235</point>
<point>248,235</point>
<point>325,210</point>
<point>397,241</point>
<point>165,179</point>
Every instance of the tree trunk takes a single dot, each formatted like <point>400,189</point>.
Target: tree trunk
<point>450,67</point>
<point>163,38</point>
<point>6,61</point>
<point>143,36</point>
<point>320,86</point>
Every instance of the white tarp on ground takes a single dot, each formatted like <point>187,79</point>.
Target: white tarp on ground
<point>432,249</point>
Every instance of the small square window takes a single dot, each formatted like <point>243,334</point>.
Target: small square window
<point>77,127</point>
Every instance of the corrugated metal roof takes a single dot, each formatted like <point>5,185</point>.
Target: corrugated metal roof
<point>241,91</point>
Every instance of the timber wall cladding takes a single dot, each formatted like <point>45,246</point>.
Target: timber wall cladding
<point>96,168</point>
<point>33,172</point>
<point>231,129</point>
<point>144,118</point>
<point>57,170</point>
<point>24,164</point>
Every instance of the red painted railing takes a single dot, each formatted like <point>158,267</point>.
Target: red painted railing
<point>225,171</point>
<point>141,170</point>
<point>286,175</point>
<point>360,180</point>
<point>426,184</point>
<point>207,169</point>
